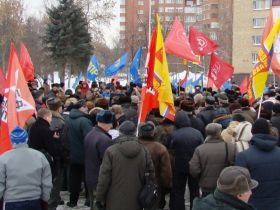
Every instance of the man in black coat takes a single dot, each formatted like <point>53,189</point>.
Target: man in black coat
<point>208,114</point>
<point>96,142</point>
<point>41,138</point>
<point>184,140</point>
<point>275,120</point>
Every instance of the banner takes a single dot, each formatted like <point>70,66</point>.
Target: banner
<point>116,66</point>
<point>93,69</point>
<point>135,66</point>
<point>219,70</point>
<point>26,63</point>
<point>200,43</point>
<point>183,81</point>
<point>244,85</point>
<point>18,104</point>
<point>2,82</point>
<point>178,44</point>
<point>259,74</point>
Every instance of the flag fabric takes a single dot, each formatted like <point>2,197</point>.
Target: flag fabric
<point>244,85</point>
<point>259,74</point>
<point>183,81</point>
<point>2,82</point>
<point>178,44</point>
<point>148,92</point>
<point>161,78</point>
<point>227,85</point>
<point>134,67</point>
<point>188,85</point>
<point>116,66</point>
<point>200,43</point>
<point>93,68</point>
<point>219,70</point>
<point>78,79</point>
<point>275,60</point>
<point>18,105</point>
<point>26,63</point>
<point>210,83</point>
<point>199,81</point>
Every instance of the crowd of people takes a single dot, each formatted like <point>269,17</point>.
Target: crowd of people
<point>89,139</point>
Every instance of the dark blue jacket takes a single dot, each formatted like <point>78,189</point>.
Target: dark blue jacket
<point>262,159</point>
<point>184,140</point>
<point>79,125</point>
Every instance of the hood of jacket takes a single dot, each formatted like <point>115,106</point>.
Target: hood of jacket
<point>57,115</point>
<point>75,113</point>
<point>128,146</point>
<point>182,120</point>
<point>264,142</point>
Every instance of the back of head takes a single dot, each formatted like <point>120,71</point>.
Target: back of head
<point>18,136</point>
<point>54,103</point>
<point>105,116</point>
<point>235,180</point>
<point>213,130</point>
<point>81,103</point>
<point>260,126</point>
<point>127,128</point>
<point>146,130</point>
<point>42,113</point>
<point>238,118</point>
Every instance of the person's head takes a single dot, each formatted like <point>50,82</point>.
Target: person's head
<point>55,87</point>
<point>213,130</point>
<point>261,126</point>
<point>102,103</point>
<point>276,108</point>
<point>105,119</point>
<point>236,181</point>
<point>68,93</point>
<point>18,136</point>
<point>187,105</point>
<point>222,98</point>
<point>45,114</point>
<point>81,105</point>
<point>244,102</point>
<point>127,128</point>
<point>146,130</point>
<point>38,95</point>
<point>54,104</point>
<point>210,101</point>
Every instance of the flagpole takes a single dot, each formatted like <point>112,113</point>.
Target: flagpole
<point>260,107</point>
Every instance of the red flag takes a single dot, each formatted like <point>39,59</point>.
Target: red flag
<point>244,85</point>
<point>2,81</point>
<point>219,71</point>
<point>18,105</point>
<point>148,92</point>
<point>183,81</point>
<point>210,83</point>
<point>200,43</point>
<point>26,63</point>
<point>178,44</point>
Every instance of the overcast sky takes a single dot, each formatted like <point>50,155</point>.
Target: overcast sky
<point>36,7</point>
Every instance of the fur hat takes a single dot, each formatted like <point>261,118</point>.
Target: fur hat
<point>128,128</point>
<point>19,136</point>
<point>146,130</point>
<point>187,105</point>
<point>260,126</point>
<point>235,180</point>
<point>210,100</point>
<point>222,98</point>
<point>102,103</point>
<point>105,116</point>
<point>54,103</point>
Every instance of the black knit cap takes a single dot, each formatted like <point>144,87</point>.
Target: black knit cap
<point>146,130</point>
<point>128,128</point>
<point>276,108</point>
<point>105,116</point>
<point>261,126</point>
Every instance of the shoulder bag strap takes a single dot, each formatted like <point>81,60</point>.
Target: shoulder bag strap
<point>226,157</point>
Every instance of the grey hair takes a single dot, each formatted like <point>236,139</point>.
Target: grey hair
<point>213,129</point>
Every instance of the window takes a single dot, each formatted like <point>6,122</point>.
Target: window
<point>169,1</point>
<point>140,28</point>
<point>169,9</point>
<point>256,40</point>
<point>122,28</point>
<point>190,19</point>
<point>267,4</point>
<point>161,1</point>
<point>122,10</point>
<point>254,58</point>
<point>259,22</point>
<point>160,9</point>
<point>169,18</point>
<point>214,6</point>
<point>122,2</point>
<point>190,10</point>
<point>122,19</point>
<point>122,36</point>
<point>179,1</point>
<point>180,18</point>
<point>214,25</point>
<point>179,9</point>
<point>152,2</point>
<point>140,2</point>
<point>140,12</point>
<point>213,36</point>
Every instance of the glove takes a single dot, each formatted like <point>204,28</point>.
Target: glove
<point>99,205</point>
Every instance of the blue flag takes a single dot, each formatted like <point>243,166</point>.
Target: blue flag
<point>199,81</point>
<point>135,65</point>
<point>188,83</point>
<point>93,68</point>
<point>77,80</point>
<point>116,66</point>
<point>227,85</point>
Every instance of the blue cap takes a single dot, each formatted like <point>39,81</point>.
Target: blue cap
<point>18,136</point>
<point>105,116</point>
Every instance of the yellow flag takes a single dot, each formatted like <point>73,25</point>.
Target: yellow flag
<point>161,78</point>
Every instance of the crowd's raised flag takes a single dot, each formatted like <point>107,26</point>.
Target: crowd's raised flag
<point>135,66</point>
<point>198,81</point>
<point>148,92</point>
<point>188,85</point>
<point>26,63</point>
<point>259,74</point>
<point>244,85</point>
<point>93,69</point>
<point>227,85</point>
<point>200,43</point>
<point>219,71</point>
<point>275,60</point>
<point>177,42</point>
<point>2,81</point>
<point>18,105</point>
<point>161,78</point>
<point>116,66</point>
<point>77,80</point>
<point>184,80</point>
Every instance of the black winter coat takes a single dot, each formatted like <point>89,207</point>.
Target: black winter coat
<point>79,124</point>
<point>275,121</point>
<point>197,124</point>
<point>262,159</point>
<point>95,143</point>
<point>184,140</point>
<point>207,115</point>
